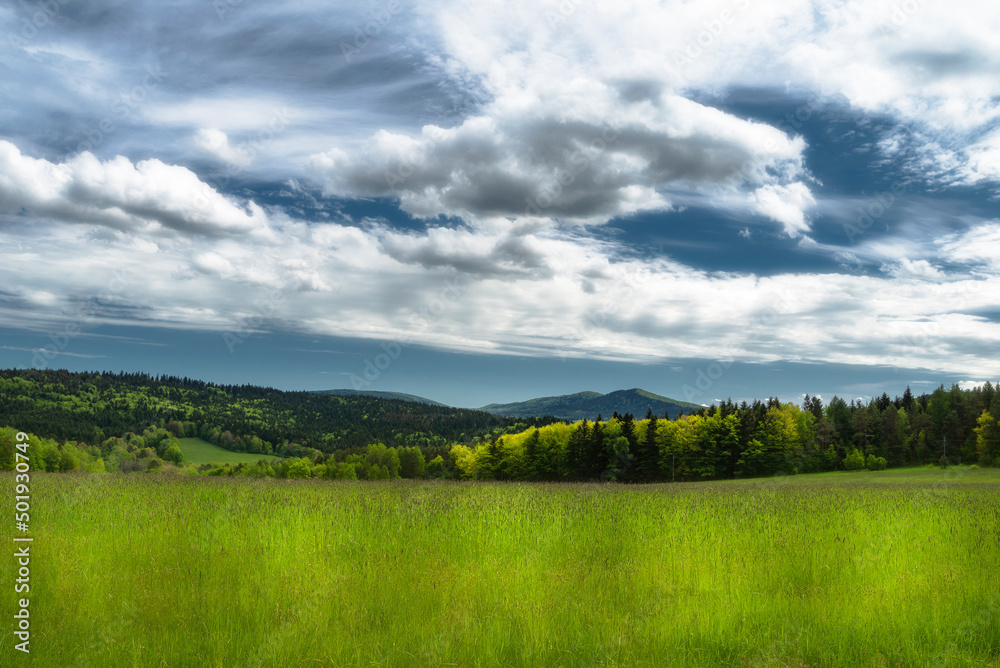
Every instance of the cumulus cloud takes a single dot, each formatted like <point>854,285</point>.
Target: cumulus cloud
<point>589,162</point>
<point>119,194</point>
<point>213,263</point>
<point>556,77</point>
<point>786,205</point>
<point>469,253</point>
<point>568,131</point>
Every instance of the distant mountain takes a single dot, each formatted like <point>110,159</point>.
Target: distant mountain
<point>399,396</point>
<point>591,404</point>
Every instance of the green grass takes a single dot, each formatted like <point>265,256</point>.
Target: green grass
<point>197,451</point>
<point>923,474</point>
<point>861,569</point>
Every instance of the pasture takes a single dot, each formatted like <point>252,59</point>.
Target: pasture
<point>198,451</point>
<point>873,569</point>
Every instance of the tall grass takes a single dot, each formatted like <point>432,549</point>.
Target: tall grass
<point>152,570</point>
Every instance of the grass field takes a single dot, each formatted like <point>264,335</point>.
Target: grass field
<point>933,475</point>
<point>867,569</point>
<point>197,451</point>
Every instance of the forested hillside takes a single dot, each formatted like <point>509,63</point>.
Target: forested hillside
<point>92,407</point>
<point>127,422</point>
<point>381,395</point>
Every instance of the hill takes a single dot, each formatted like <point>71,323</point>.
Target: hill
<point>399,396</point>
<point>591,404</point>
<point>91,407</point>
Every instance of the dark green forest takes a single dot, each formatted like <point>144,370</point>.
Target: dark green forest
<point>92,407</point>
<point>132,422</point>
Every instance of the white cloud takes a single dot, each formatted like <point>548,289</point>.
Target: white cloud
<point>119,194</point>
<point>786,205</point>
<point>216,143</point>
<point>213,263</point>
<point>544,293</point>
<point>229,113</point>
<point>573,129</point>
<point>596,158</point>
<point>927,67</point>
<point>978,246</point>
<point>557,76</point>
<point>971,384</point>
<point>914,269</point>
<point>983,164</point>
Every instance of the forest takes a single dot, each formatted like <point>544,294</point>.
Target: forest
<point>134,422</point>
<point>92,407</point>
<point>752,440</point>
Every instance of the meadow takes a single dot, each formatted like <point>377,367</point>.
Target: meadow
<point>892,568</point>
<point>199,451</point>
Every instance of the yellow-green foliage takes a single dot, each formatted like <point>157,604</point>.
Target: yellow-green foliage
<point>465,460</point>
<point>988,439</point>
<point>691,447</point>
<point>896,568</point>
<point>480,462</point>
<point>47,455</point>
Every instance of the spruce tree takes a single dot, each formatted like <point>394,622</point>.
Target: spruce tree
<point>646,454</point>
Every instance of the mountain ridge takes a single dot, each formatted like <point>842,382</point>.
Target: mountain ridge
<point>377,394</point>
<point>591,404</point>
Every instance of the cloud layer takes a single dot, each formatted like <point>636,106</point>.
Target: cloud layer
<point>454,173</point>
<point>546,292</point>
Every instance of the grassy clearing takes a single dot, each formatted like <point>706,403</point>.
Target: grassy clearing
<point>154,570</point>
<point>197,451</point>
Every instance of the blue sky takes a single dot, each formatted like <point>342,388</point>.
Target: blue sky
<point>492,201</point>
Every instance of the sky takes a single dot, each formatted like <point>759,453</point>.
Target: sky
<point>493,201</point>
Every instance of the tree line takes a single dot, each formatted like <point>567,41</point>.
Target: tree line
<point>725,441</point>
<point>751,440</point>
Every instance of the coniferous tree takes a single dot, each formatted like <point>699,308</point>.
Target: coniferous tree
<point>595,450</point>
<point>531,459</point>
<point>907,399</point>
<point>647,456</point>
<point>576,460</point>
<point>625,463</point>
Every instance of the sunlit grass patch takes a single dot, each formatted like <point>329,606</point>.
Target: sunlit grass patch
<point>198,451</point>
